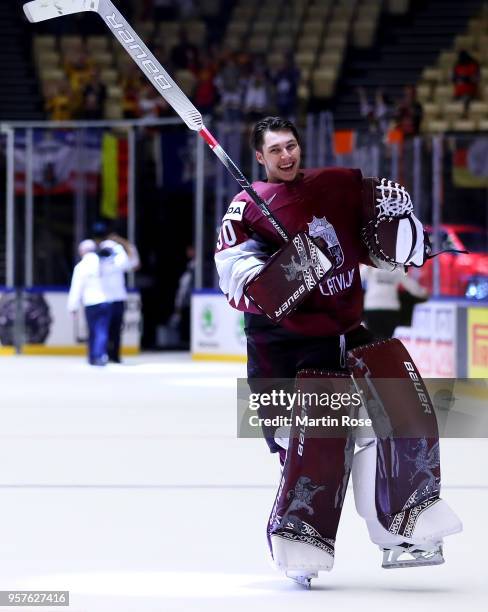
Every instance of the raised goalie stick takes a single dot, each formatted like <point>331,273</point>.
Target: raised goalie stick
<point>42,10</point>
<point>312,264</point>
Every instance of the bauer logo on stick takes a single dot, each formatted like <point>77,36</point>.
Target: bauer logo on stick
<point>137,50</point>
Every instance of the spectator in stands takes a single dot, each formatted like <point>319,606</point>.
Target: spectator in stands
<point>184,55</point>
<point>160,52</point>
<point>466,76</point>
<point>94,97</point>
<point>151,104</point>
<point>377,114</point>
<point>408,114</point>
<point>257,98</point>
<point>126,7</point>
<point>145,10</point>
<point>164,10</point>
<point>229,84</point>
<point>186,8</point>
<point>285,81</point>
<point>206,91</point>
<point>79,68</point>
<point>59,102</point>
<point>131,86</point>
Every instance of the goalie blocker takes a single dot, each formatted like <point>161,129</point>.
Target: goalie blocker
<point>288,277</point>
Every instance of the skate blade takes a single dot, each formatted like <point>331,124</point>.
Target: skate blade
<point>416,558</point>
<point>304,580</point>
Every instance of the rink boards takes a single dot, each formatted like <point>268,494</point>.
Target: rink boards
<point>49,329</point>
<point>448,338</point>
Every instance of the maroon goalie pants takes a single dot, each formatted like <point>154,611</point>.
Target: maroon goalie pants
<point>274,353</point>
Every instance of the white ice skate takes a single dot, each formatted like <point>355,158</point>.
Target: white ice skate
<point>424,547</point>
<point>300,561</point>
<point>304,579</point>
<point>411,555</point>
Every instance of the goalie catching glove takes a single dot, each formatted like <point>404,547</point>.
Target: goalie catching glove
<point>397,241</point>
<point>391,232</point>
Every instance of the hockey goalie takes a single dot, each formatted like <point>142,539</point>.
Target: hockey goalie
<point>311,336</point>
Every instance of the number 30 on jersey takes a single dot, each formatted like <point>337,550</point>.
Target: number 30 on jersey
<point>227,235</point>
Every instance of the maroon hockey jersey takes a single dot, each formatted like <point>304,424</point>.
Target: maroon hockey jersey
<point>323,202</point>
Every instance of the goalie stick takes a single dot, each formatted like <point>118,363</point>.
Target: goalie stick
<point>42,10</point>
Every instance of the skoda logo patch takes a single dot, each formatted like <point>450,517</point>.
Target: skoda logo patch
<point>208,324</point>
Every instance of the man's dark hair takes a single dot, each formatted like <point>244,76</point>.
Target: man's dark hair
<point>273,124</point>
<point>100,229</point>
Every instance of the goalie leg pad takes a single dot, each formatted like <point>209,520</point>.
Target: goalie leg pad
<point>305,516</point>
<point>407,458</point>
<point>433,522</point>
<point>403,461</point>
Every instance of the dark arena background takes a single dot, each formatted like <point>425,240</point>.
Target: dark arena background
<point>127,484</point>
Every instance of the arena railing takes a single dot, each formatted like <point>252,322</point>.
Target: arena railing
<point>15,277</point>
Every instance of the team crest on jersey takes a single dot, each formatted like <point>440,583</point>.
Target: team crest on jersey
<point>235,211</point>
<point>321,228</point>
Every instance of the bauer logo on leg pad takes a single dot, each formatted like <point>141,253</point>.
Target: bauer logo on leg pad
<point>419,388</point>
<point>395,394</point>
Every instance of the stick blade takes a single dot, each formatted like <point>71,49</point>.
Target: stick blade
<point>41,10</point>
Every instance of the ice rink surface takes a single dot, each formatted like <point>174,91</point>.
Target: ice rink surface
<point>127,487</point>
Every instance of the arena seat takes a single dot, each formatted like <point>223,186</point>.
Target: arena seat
<point>44,43</point>
<point>453,110</point>
<point>97,44</point>
<point>478,110</point>
<point>113,109</point>
<point>330,58</point>
<point>258,43</point>
<point>431,110</point>
<point>103,59</point>
<point>436,125</point>
<point>47,59</point>
<point>186,80</point>
<point>71,43</point>
<point>464,125</point>
<point>109,76</point>
<point>363,33</point>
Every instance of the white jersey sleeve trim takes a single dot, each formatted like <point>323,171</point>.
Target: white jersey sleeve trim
<point>237,265</point>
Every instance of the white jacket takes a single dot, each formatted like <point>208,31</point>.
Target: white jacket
<point>97,280</point>
<point>382,288</point>
<point>86,284</point>
<point>114,269</point>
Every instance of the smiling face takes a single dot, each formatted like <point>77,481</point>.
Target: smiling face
<point>280,156</point>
